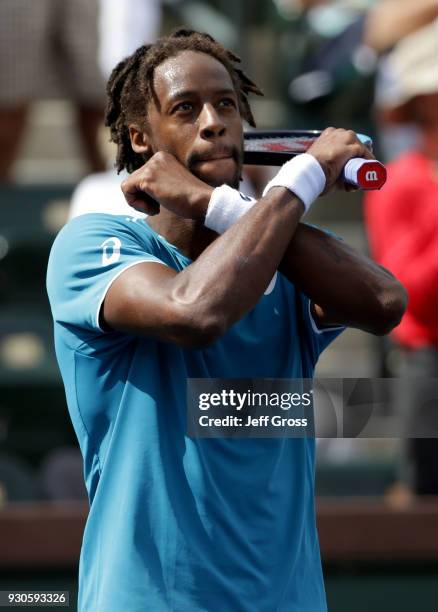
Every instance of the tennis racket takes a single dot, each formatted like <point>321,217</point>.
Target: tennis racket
<point>274,148</point>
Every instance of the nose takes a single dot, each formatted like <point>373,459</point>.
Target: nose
<point>211,124</point>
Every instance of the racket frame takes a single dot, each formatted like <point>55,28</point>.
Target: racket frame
<point>279,157</point>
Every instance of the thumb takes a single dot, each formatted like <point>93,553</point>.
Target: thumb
<point>138,198</point>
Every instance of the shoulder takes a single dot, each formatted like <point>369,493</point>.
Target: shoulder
<point>94,227</point>
<point>98,243</point>
<point>104,220</point>
<point>88,254</point>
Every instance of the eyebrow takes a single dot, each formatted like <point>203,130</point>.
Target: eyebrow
<point>190,93</point>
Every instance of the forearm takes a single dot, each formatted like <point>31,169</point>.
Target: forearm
<point>349,287</point>
<point>230,276</point>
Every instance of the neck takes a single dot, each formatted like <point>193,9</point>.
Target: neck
<point>189,236</point>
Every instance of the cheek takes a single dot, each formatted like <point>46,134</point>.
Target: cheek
<point>179,141</point>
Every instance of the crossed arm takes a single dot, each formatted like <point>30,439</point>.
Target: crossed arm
<point>196,306</point>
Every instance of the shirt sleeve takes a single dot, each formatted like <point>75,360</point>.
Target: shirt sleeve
<point>86,258</point>
<point>320,337</point>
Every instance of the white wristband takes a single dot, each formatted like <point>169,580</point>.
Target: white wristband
<point>226,206</point>
<point>303,176</point>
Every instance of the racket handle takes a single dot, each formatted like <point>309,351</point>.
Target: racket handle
<point>366,174</point>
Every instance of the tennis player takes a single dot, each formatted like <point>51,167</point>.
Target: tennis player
<point>210,285</point>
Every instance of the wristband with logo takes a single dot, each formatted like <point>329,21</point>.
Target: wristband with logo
<point>301,175</point>
<point>225,208</point>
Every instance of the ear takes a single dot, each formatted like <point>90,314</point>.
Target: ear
<point>139,140</point>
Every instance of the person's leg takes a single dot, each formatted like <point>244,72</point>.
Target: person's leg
<point>89,120</point>
<point>77,33</point>
<point>23,60</point>
<point>12,128</point>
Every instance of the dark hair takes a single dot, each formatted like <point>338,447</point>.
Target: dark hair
<point>130,86</point>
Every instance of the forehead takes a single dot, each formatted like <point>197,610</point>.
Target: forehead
<point>190,71</point>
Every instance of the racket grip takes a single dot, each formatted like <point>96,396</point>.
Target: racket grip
<point>366,174</point>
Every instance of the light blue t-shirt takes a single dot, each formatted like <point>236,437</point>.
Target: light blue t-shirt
<point>180,524</point>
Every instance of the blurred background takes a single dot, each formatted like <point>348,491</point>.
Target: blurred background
<point>369,65</point>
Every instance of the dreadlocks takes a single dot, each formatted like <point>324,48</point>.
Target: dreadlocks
<point>130,86</point>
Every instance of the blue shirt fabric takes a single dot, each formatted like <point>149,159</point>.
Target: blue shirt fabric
<point>181,524</point>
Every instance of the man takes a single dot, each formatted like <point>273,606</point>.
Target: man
<point>402,224</point>
<point>177,523</point>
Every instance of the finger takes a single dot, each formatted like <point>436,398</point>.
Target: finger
<point>363,151</point>
<point>130,190</point>
<point>340,184</point>
<point>367,154</point>
<point>144,203</point>
<point>148,204</point>
<point>138,198</point>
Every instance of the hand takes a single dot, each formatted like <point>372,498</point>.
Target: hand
<point>164,181</point>
<point>333,149</point>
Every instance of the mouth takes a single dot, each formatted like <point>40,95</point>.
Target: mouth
<point>214,156</point>
<point>216,166</point>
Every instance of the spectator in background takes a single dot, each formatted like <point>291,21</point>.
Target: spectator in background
<point>327,70</point>
<point>389,22</point>
<point>402,222</point>
<point>124,25</point>
<point>48,47</point>
<point>331,50</point>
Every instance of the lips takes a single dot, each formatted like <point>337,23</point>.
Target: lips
<point>217,155</point>
<point>215,158</point>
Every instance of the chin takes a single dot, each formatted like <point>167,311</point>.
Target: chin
<point>217,180</point>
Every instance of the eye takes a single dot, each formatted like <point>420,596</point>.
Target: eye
<point>183,107</point>
<point>227,102</point>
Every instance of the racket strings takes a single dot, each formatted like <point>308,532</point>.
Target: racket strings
<point>279,144</point>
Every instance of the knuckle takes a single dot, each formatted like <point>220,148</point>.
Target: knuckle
<point>150,163</point>
<point>330,157</point>
<point>352,135</point>
<point>147,179</point>
<point>144,184</point>
<point>160,156</point>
